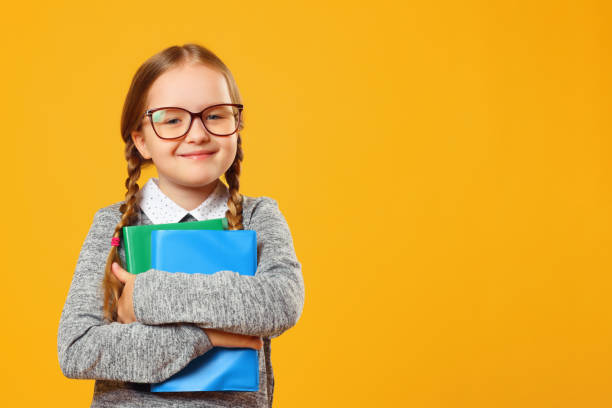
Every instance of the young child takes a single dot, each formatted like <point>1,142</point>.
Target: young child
<point>126,331</point>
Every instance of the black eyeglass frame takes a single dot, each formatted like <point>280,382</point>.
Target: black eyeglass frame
<point>149,113</point>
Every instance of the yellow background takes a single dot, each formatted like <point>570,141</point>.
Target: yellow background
<point>444,168</point>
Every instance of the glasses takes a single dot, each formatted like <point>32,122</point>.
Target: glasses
<point>172,123</point>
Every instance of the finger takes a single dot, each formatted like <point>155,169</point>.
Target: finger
<point>119,272</point>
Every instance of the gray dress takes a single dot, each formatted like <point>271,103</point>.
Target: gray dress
<point>172,309</point>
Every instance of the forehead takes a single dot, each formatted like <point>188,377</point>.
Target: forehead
<point>192,86</point>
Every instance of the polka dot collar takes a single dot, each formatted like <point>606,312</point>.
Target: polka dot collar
<point>160,209</point>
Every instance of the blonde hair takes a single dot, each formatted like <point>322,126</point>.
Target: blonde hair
<point>131,119</point>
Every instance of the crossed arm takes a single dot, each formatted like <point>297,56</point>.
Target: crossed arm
<point>266,304</point>
<point>172,308</point>
<point>90,348</point>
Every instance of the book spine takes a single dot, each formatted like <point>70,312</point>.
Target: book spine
<point>126,246</point>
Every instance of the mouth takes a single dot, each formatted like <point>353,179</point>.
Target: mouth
<point>200,154</point>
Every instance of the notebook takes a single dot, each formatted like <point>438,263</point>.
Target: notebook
<point>209,251</point>
<point>137,240</point>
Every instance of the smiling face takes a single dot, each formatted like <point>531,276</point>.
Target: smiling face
<point>192,87</point>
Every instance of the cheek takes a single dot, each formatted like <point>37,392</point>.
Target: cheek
<point>229,149</point>
<point>163,148</point>
<point>162,152</point>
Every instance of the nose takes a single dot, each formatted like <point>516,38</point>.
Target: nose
<point>197,133</point>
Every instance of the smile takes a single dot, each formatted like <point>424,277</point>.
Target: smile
<point>197,156</point>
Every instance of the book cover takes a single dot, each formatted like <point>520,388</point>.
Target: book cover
<point>209,251</point>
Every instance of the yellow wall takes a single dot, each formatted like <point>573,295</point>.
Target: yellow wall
<point>444,168</point>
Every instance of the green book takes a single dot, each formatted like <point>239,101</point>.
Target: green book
<point>137,240</point>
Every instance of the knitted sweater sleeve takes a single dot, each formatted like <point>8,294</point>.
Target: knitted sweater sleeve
<point>88,347</point>
<point>266,304</point>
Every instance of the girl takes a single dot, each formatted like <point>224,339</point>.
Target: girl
<point>126,331</point>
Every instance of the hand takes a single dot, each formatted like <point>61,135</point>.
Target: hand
<point>220,338</point>
<point>125,306</point>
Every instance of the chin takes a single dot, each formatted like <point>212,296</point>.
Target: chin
<point>196,181</point>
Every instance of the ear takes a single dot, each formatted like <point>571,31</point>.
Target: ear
<point>139,142</point>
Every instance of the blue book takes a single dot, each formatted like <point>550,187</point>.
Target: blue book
<point>209,251</point>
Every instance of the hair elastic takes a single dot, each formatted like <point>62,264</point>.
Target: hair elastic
<point>115,241</point>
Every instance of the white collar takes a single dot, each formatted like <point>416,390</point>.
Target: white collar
<point>160,209</point>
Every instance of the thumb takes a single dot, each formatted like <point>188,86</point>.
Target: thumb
<point>119,272</point>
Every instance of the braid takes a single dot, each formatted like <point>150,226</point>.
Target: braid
<point>234,203</point>
<point>112,286</point>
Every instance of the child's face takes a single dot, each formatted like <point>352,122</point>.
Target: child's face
<point>192,87</point>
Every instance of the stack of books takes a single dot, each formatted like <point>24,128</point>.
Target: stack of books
<point>199,247</point>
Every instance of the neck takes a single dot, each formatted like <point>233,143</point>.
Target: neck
<point>187,197</point>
